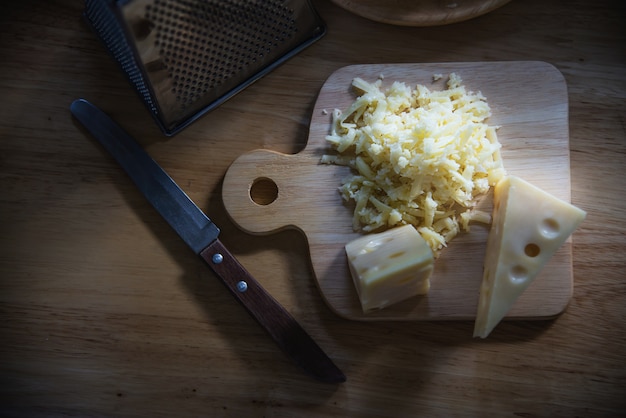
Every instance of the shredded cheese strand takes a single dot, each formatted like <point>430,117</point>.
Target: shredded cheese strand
<point>418,157</point>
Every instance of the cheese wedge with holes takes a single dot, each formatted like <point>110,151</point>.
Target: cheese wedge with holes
<point>529,225</point>
<point>390,266</point>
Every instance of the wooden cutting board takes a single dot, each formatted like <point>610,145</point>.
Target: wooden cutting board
<point>266,191</point>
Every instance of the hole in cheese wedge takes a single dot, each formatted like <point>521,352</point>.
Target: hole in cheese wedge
<point>529,225</point>
<point>550,228</point>
<point>532,250</point>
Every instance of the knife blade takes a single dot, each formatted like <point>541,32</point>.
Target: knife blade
<point>202,236</point>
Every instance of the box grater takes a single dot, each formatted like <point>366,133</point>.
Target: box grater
<point>186,57</point>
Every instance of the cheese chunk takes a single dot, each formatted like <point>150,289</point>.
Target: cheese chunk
<point>529,225</point>
<point>390,266</point>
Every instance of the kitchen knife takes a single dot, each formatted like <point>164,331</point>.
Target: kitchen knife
<point>201,234</point>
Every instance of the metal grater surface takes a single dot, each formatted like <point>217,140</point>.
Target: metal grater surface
<point>186,57</point>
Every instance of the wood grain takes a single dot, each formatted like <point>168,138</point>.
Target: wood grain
<point>107,313</point>
<point>529,103</point>
<point>421,12</point>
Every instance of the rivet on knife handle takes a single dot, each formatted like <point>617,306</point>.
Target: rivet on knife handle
<point>201,235</point>
<point>281,326</point>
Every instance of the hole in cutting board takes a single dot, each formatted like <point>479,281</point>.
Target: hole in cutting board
<point>263,191</point>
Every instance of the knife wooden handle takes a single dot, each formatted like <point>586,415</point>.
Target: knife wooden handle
<point>278,322</point>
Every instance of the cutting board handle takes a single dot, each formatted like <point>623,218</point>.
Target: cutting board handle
<point>263,188</point>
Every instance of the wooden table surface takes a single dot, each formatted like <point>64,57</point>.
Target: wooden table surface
<point>106,312</point>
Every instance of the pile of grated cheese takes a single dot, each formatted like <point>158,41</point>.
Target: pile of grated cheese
<point>418,156</point>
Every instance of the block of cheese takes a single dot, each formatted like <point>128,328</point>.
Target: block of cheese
<point>390,266</point>
<point>529,225</point>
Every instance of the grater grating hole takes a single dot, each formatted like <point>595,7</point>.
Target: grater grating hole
<point>206,43</point>
<point>104,23</point>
